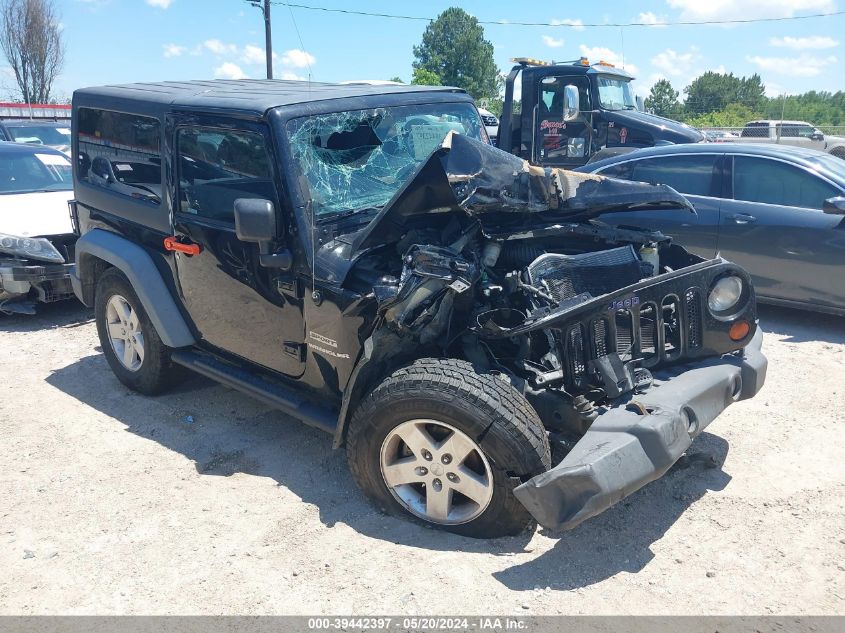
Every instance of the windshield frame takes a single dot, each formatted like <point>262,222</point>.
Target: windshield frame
<point>627,90</point>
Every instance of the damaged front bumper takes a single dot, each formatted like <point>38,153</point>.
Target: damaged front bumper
<point>631,445</point>
<point>18,277</point>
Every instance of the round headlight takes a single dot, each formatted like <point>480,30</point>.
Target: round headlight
<point>725,294</point>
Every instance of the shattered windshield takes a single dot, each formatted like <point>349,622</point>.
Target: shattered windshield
<point>357,160</point>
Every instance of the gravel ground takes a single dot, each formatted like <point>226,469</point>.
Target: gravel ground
<point>204,501</point>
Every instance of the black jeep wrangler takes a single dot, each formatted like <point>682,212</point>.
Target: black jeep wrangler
<point>361,258</point>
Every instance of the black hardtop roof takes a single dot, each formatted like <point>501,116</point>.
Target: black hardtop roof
<point>255,96</point>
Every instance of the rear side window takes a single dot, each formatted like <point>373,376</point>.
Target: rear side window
<point>794,131</point>
<point>218,166</point>
<point>756,130</point>
<point>120,152</point>
<point>774,182</point>
<point>690,175</point>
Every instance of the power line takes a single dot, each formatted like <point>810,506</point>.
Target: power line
<point>575,25</point>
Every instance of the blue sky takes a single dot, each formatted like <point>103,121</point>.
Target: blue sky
<point>142,40</point>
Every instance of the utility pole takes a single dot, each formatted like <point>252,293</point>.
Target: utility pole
<point>268,36</point>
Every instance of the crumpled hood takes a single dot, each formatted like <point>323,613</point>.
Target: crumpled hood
<point>35,214</point>
<point>486,183</point>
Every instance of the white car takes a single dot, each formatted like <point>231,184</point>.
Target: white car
<point>36,231</point>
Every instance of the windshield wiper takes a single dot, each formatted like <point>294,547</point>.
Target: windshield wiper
<point>342,215</point>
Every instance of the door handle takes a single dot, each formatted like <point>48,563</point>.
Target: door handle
<point>172,243</point>
<point>743,218</point>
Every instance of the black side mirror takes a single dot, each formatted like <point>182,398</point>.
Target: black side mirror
<point>817,136</point>
<point>255,221</point>
<point>834,206</point>
<point>101,168</point>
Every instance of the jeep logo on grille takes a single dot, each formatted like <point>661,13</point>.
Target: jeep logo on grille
<point>624,304</point>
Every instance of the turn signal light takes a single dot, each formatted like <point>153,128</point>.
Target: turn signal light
<point>739,330</point>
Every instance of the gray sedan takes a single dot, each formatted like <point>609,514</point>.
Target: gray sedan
<point>777,211</point>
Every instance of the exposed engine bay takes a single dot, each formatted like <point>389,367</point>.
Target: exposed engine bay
<point>484,257</point>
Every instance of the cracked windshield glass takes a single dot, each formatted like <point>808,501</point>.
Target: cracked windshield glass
<point>356,161</point>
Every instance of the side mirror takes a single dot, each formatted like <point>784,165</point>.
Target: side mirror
<point>834,206</point>
<point>817,136</point>
<point>571,103</point>
<point>101,168</point>
<point>255,221</point>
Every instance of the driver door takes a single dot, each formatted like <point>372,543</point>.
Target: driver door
<point>559,142</point>
<point>237,305</point>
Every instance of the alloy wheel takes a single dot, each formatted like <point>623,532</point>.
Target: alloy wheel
<point>437,472</point>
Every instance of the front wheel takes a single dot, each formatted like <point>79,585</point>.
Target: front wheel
<point>447,445</point>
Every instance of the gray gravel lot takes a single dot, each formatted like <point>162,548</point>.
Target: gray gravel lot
<point>205,501</point>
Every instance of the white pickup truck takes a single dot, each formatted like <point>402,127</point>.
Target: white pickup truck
<point>798,133</point>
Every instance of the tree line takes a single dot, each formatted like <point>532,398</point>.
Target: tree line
<point>726,100</point>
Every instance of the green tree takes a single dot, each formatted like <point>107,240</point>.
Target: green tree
<point>663,100</point>
<point>752,92</point>
<point>733,115</point>
<point>423,77</point>
<point>711,92</point>
<point>397,79</point>
<point>454,49</point>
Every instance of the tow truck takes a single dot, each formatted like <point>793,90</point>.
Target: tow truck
<point>566,114</point>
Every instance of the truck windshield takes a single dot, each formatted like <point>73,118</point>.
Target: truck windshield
<point>358,160</point>
<point>615,93</point>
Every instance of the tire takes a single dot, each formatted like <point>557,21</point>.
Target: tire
<point>839,152</point>
<point>456,408</point>
<point>146,368</point>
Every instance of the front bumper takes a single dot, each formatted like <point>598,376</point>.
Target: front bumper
<point>631,445</point>
<point>17,276</point>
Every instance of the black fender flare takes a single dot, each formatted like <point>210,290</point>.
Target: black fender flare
<point>134,262</point>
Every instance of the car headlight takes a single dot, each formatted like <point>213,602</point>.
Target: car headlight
<point>725,294</point>
<point>30,247</point>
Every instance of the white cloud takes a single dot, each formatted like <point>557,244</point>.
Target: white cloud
<point>675,64</point>
<point>551,42</point>
<point>219,48</point>
<point>804,43</point>
<point>702,10</point>
<point>298,59</point>
<point>289,76</point>
<point>652,19</point>
<point>253,54</point>
<point>228,70</point>
<point>577,25</point>
<point>173,50</point>
<point>802,66</point>
<point>599,53</point>
<point>160,4</point>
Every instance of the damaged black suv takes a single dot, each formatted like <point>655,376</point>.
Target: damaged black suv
<point>360,257</point>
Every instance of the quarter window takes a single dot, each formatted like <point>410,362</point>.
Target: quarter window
<point>120,152</point>
<point>217,166</point>
<point>690,175</point>
<point>774,182</point>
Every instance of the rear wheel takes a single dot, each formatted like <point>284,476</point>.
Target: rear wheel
<point>129,341</point>
<point>446,445</point>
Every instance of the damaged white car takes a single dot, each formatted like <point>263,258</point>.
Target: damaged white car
<point>36,233</point>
